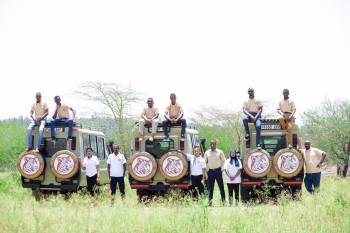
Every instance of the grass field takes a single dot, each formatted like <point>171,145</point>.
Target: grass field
<point>328,211</point>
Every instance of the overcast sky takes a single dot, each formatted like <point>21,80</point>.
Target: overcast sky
<point>208,52</point>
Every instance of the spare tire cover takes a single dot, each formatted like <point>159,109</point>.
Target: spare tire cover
<point>30,164</point>
<point>173,165</point>
<point>288,162</point>
<point>142,166</point>
<point>64,164</point>
<point>257,163</point>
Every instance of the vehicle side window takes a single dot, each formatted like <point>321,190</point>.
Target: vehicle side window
<point>86,143</point>
<point>100,148</point>
<point>93,142</point>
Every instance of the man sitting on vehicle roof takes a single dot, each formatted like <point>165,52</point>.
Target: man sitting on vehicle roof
<point>252,108</point>
<point>174,115</point>
<point>286,108</point>
<point>61,117</point>
<point>149,116</point>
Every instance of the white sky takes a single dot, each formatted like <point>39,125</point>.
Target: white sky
<point>207,52</point>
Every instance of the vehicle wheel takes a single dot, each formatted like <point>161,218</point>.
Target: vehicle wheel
<point>37,194</point>
<point>257,163</point>
<point>245,194</point>
<point>30,164</point>
<point>142,166</point>
<point>64,164</point>
<point>288,162</point>
<point>173,165</point>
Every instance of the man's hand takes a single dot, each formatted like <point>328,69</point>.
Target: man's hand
<point>205,176</point>
<point>98,180</point>
<point>319,165</point>
<point>232,178</point>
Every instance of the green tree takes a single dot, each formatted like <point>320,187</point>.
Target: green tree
<point>328,126</point>
<point>225,125</point>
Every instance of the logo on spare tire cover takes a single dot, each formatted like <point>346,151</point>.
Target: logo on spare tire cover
<point>142,166</point>
<point>173,166</point>
<point>30,164</point>
<point>288,162</point>
<point>258,162</point>
<point>64,164</point>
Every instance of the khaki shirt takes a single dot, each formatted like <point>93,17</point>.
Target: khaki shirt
<point>252,105</point>
<point>312,157</point>
<point>214,159</point>
<point>286,106</point>
<point>39,109</point>
<point>174,111</point>
<point>149,112</point>
<point>63,111</point>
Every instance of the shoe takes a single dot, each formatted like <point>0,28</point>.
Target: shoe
<point>36,150</point>
<point>246,137</point>
<point>182,135</point>
<point>151,139</point>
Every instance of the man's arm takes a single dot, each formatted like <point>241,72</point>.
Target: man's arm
<point>179,117</point>
<point>259,113</point>
<point>124,166</point>
<point>247,113</point>
<point>74,112</point>
<point>98,172</point>
<point>54,116</point>
<point>32,115</point>
<point>109,170</point>
<point>322,160</point>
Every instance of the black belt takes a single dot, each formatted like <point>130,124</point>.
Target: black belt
<point>215,169</point>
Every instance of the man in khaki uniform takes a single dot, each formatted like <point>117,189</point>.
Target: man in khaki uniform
<point>215,160</point>
<point>38,113</point>
<point>61,117</point>
<point>149,116</point>
<point>313,159</point>
<point>252,108</point>
<point>286,108</point>
<point>174,115</point>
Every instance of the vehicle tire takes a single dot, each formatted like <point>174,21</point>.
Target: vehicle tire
<point>288,162</point>
<point>30,164</point>
<point>245,194</point>
<point>173,165</point>
<point>257,163</point>
<point>142,166</point>
<point>64,164</point>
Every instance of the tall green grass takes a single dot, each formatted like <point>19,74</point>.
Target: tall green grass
<point>328,211</point>
<point>12,143</point>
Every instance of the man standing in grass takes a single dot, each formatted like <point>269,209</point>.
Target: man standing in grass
<point>116,167</point>
<point>38,113</point>
<point>313,159</point>
<point>215,160</point>
<point>198,171</point>
<point>91,165</point>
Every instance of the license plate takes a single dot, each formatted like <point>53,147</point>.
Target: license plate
<point>271,127</point>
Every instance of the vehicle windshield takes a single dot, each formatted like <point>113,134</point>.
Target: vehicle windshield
<point>272,144</point>
<point>159,147</point>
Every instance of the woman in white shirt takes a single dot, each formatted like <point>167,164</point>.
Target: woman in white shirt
<point>233,169</point>
<point>91,165</point>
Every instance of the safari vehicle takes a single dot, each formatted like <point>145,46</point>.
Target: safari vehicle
<point>56,166</point>
<point>275,166</point>
<point>161,165</point>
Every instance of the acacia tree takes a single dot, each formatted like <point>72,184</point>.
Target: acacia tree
<point>328,126</point>
<point>117,99</point>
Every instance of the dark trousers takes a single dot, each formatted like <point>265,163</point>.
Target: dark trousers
<point>196,183</point>
<point>91,183</point>
<point>167,124</point>
<point>312,181</point>
<point>231,188</point>
<point>61,121</point>
<point>246,120</point>
<point>113,184</point>
<point>216,174</point>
